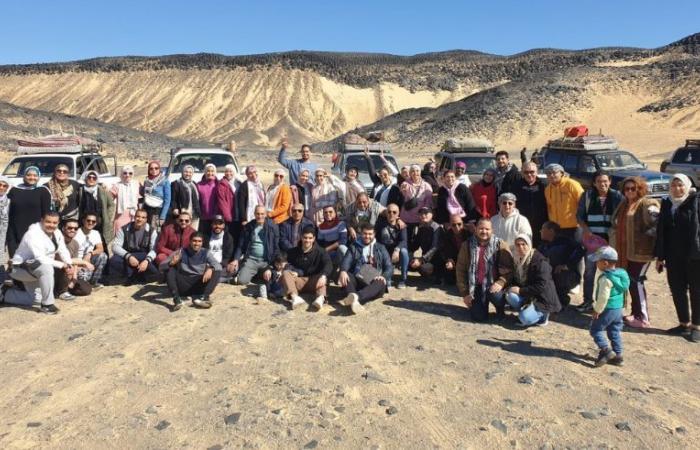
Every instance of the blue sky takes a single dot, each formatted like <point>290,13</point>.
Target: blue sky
<point>46,31</point>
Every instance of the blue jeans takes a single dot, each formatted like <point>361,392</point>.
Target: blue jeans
<point>609,321</point>
<point>529,315</point>
<point>480,305</point>
<point>404,259</point>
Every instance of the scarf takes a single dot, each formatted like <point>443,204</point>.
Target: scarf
<point>60,192</point>
<point>489,253</point>
<point>23,185</point>
<point>322,195</point>
<point>127,196</point>
<point>192,195</point>
<point>522,263</point>
<point>271,196</point>
<point>453,206</point>
<point>366,252</point>
<point>92,190</point>
<point>151,183</point>
<point>678,201</point>
<point>4,203</point>
<point>256,196</point>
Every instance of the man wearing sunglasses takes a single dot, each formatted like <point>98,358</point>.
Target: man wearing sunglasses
<point>509,223</point>
<point>290,230</point>
<point>174,236</point>
<point>450,241</point>
<point>529,192</point>
<point>91,250</point>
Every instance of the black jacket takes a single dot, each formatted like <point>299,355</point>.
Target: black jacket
<point>286,232</point>
<point>464,198</point>
<point>448,248</point>
<point>394,196</point>
<point>563,251</point>
<point>227,250</point>
<point>531,203</point>
<point>539,286</point>
<point>315,262</point>
<point>509,180</point>
<point>390,236</point>
<point>678,235</point>
<point>353,258</point>
<point>272,239</point>
<point>180,200</point>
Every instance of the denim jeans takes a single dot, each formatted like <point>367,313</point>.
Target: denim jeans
<point>480,303</point>
<point>609,322</point>
<point>529,315</point>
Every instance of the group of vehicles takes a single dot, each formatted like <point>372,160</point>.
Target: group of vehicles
<point>579,153</point>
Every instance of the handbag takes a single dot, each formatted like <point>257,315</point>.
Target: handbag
<point>153,201</point>
<point>367,273</point>
<point>413,201</point>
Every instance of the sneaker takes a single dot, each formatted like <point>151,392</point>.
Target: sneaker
<point>638,323</point>
<point>604,356</point>
<point>628,318</point>
<point>201,302</point>
<point>67,296</point>
<point>349,299</point>
<point>544,321</point>
<point>177,304</point>
<point>356,307</point>
<point>3,290</point>
<point>401,285</point>
<point>585,307</point>
<point>695,335</point>
<point>262,292</point>
<point>49,309</point>
<point>617,361</point>
<point>318,303</point>
<point>680,330</point>
<point>297,301</point>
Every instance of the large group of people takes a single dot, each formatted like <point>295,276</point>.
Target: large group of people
<point>509,238</point>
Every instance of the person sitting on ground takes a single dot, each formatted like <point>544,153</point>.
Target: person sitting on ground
<point>68,287</point>
<point>333,235</point>
<point>310,269</point>
<point>509,223</point>
<point>484,194</point>
<point>278,198</point>
<point>295,166</point>
<point>364,271</point>
<point>532,293</point>
<point>222,245</point>
<point>428,240</point>
<point>257,248</point>
<point>454,198</point>
<point>41,250</point>
<point>461,174</point>
<point>273,288</point>
<point>484,270</point>
<point>562,194</point>
<point>392,236</point>
<point>450,241</point>
<point>507,174</point>
<point>529,195</point>
<point>134,249</point>
<point>192,271</point>
<point>290,230</point>
<point>91,249</point>
<point>611,284</point>
<point>174,236</point>
<point>564,255</point>
<point>364,210</point>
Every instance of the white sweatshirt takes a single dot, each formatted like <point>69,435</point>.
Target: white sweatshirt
<point>37,245</point>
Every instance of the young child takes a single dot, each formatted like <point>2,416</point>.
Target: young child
<point>273,288</point>
<point>609,292</point>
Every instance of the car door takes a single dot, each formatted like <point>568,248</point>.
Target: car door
<point>687,161</point>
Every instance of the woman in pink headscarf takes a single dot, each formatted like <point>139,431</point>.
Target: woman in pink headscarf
<point>207,198</point>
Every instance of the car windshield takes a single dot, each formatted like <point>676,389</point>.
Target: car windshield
<point>45,164</point>
<point>199,160</point>
<point>476,164</point>
<point>618,160</point>
<point>360,162</point>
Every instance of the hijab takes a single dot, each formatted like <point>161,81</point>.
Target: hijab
<point>4,179</point>
<point>24,184</point>
<point>127,192</point>
<point>92,190</point>
<point>522,262</point>
<point>678,201</point>
<point>60,190</point>
<point>493,172</point>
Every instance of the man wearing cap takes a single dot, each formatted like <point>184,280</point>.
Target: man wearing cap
<point>461,172</point>
<point>221,245</point>
<point>562,195</point>
<point>529,193</point>
<point>295,166</point>
<point>290,230</point>
<point>174,236</point>
<point>509,223</point>
<point>484,269</point>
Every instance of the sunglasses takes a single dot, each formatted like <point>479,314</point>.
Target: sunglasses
<point>298,210</point>
<point>61,171</point>
<point>91,177</point>
<point>71,228</point>
<point>90,221</point>
<point>529,172</point>
<point>460,224</point>
<point>153,168</point>
<point>279,176</point>
<point>184,220</point>
<point>389,211</point>
<point>127,173</point>
<point>630,188</point>
<point>507,203</point>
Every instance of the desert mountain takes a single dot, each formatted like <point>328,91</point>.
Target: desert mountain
<point>313,96</point>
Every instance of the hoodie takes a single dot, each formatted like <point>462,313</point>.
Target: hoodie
<point>610,289</point>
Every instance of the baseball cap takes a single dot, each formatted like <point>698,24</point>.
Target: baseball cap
<point>606,253</point>
<point>424,210</point>
<point>218,218</point>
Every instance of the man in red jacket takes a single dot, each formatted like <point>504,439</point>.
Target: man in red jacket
<point>173,237</point>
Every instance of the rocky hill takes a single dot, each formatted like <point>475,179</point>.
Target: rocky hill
<point>315,96</point>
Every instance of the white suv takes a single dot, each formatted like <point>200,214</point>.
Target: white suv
<point>46,161</point>
<point>198,157</point>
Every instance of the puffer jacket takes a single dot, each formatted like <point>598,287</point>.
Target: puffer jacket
<point>562,202</point>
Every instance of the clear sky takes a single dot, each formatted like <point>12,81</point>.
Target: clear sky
<point>46,31</point>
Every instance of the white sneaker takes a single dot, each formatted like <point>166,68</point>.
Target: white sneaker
<point>356,307</point>
<point>349,299</point>
<point>318,303</point>
<point>297,301</point>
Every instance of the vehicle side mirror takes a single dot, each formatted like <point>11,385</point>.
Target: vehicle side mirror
<point>645,165</point>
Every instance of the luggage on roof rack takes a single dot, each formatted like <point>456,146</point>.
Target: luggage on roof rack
<point>57,143</point>
<point>477,145</point>
<point>595,142</point>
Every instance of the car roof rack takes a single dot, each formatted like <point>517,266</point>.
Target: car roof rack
<point>475,145</point>
<point>593,142</point>
<point>692,142</point>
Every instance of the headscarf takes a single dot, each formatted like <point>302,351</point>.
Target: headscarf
<point>256,195</point>
<point>233,182</point>
<point>204,174</point>
<point>60,190</point>
<point>4,179</point>
<point>23,184</point>
<point>92,190</point>
<point>153,181</point>
<point>190,188</point>
<point>127,192</point>
<point>272,191</point>
<point>676,202</point>
<point>522,262</point>
<point>493,173</point>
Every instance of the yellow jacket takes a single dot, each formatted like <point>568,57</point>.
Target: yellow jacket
<point>562,202</point>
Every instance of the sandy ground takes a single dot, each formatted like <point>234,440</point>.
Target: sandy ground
<point>119,370</point>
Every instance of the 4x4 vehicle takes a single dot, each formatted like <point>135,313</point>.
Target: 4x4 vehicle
<point>582,156</point>
<point>78,153</point>
<point>685,160</point>
<point>477,154</point>
<point>198,157</point>
<point>353,155</point>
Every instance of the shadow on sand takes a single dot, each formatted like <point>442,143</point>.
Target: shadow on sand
<point>526,348</point>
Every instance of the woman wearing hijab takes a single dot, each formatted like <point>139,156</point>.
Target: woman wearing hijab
<point>678,250</point>
<point>207,198</point>
<point>351,186</point>
<point>126,196</point>
<point>185,196</point>
<point>156,195</point>
<point>417,194</point>
<point>484,193</point>
<point>65,193</point>
<point>278,199</point>
<point>428,175</point>
<point>533,293</point>
<point>633,235</point>
<point>324,194</point>
<point>454,198</point>
<point>28,204</point>
<point>4,220</point>
<point>95,199</point>
<point>226,200</point>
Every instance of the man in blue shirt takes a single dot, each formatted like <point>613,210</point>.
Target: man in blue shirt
<point>295,166</point>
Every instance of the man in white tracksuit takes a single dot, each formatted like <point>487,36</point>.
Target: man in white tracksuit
<point>33,264</point>
<point>509,223</point>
